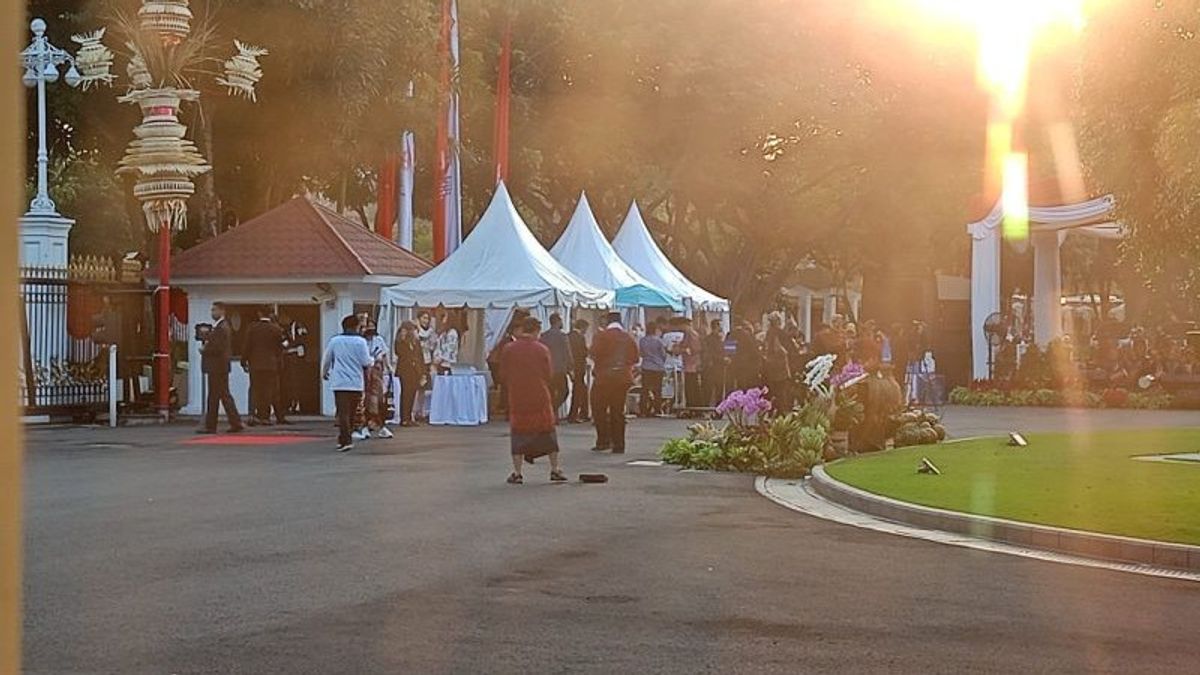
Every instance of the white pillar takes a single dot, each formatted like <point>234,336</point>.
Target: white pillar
<point>1047,288</point>
<point>806,316</point>
<point>44,240</point>
<point>199,304</point>
<point>985,291</point>
<point>829,308</point>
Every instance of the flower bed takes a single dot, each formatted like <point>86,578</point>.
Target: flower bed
<point>1069,398</point>
<point>787,444</point>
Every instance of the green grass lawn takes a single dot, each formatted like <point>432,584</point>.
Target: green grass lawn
<point>1085,481</point>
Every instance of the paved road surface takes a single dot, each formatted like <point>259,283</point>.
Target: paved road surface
<point>145,555</point>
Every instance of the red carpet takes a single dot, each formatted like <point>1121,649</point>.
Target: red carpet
<point>248,439</point>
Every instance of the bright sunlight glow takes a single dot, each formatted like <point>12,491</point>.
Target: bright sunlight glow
<point>1006,31</point>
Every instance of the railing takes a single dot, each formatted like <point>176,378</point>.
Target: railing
<point>59,372</point>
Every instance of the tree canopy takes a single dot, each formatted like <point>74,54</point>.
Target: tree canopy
<point>757,135</point>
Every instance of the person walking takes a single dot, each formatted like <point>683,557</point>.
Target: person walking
<point>262,357</point>
<point>577,340</point>
<point>560,360</point>
<point>343,366</point>
<point>614,352</point>
<point>410,367</point>
<point>654,365</point>
<point>375,385</point>
<point>526,366</point>
<point>215,357</point>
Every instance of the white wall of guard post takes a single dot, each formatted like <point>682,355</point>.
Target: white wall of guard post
<point>114,386</point>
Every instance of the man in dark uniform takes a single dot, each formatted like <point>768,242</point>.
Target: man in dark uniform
<point>579,366</point>
<point>614,353</point>
<point>262,356</point>
<point>215,356</point>
<point>560,360</point>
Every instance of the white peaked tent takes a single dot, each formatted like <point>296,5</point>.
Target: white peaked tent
<point>499,267</point>
<point>638,249</point>
<point>584,250</point>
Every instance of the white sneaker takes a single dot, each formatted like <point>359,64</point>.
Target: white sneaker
<point>360,435</point>
<point>385,433</point>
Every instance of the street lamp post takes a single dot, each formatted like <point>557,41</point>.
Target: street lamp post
<point>42,61</point>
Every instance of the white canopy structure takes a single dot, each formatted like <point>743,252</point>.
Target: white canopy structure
<point>500,265</point>
<point>1048,226</point>
<point>584,250</point>
<point>638,249</point>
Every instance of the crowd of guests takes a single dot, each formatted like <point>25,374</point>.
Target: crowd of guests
<point>537,368</point>
<point>771,354</point>
<point>1122,360</point>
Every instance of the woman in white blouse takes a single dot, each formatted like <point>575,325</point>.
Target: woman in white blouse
<point>445,344</point>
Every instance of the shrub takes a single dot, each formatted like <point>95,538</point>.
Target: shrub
<point>783,447</point>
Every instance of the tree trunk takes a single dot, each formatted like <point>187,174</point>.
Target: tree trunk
<point>210,204</point>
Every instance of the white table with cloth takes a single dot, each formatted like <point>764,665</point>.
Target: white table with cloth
<point>459,400</point>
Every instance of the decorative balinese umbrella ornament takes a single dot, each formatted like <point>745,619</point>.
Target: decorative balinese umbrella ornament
<point>164,57</point>
<point>242,71</point>
<point>171,19</point>
<point>94,60</point>
<point>139,74</point>
<point>162,159</point>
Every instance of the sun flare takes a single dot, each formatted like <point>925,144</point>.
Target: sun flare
<point>1007,33</point>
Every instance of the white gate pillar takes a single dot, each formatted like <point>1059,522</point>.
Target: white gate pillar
<point>1047,287</point>
<point>985,290</point>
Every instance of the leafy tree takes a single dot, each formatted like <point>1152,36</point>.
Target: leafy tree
<point>1139,99</point>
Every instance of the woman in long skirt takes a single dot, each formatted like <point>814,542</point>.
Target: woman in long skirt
<point>527,373</point>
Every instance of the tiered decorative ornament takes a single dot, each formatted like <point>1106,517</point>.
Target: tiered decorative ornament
<point>242,71</point>
<point>139,74</point>
<point>94,60</point>
<point>171,19</point>
<point>162,159</point>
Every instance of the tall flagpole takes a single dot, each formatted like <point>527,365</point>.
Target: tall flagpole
<point>503,95</point>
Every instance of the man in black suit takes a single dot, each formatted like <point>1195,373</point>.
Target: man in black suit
<point>216,353</point>
<point>579,366</point>
<point>262,356</point>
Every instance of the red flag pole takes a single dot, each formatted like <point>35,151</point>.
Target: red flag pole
<point>442,165</point>
<point>385,198</point>
<point>503,96</point>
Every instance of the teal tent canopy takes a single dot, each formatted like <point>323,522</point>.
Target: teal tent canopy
<point>641,295</point>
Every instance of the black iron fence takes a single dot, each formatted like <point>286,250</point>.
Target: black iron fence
<point>59,372</point>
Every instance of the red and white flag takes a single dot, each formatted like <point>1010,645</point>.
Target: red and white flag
<point>404,233</point>
<point>447,212</point>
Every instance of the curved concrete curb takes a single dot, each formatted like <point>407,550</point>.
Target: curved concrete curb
<point>1103,547</point>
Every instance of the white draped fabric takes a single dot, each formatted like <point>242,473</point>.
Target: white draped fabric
<point>459,400</point>
<point>1048,225</point>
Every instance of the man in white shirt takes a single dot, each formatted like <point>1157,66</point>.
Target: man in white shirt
<point>345,358</point>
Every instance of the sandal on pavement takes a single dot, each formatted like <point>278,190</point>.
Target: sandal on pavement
<point>557,477</point>
<point>515,479</point>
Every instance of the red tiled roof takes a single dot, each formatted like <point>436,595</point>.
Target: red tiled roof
<point>300,240</point>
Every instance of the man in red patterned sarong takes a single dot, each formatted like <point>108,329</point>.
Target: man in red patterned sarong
<point>527,374</point>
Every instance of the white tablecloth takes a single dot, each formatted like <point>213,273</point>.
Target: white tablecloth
<point>459,400</point>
